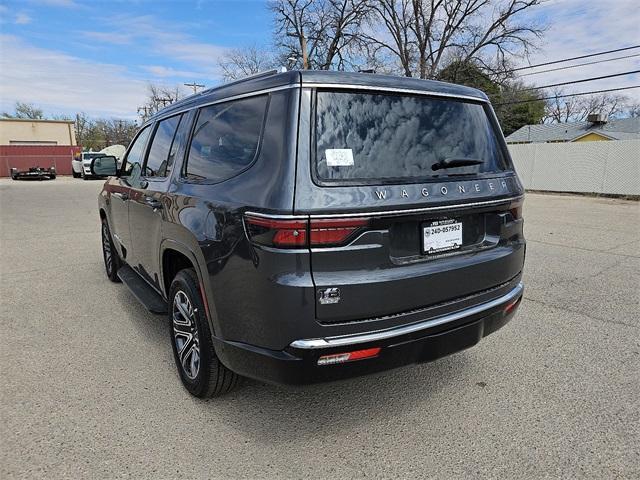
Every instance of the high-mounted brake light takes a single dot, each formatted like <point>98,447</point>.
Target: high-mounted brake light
<point>299,233</point>
<point>348,356</point>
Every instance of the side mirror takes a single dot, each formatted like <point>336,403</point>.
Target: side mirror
<point>104,166</point>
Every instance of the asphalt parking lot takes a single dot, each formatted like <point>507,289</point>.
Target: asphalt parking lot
<point>89,388</point>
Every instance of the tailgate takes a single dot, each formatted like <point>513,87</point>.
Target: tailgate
<point>386,268</point>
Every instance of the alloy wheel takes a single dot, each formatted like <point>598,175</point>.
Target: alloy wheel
<point>106,248</point>
<point>185,333</point>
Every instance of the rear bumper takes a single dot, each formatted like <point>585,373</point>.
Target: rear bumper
<point>418,342</point>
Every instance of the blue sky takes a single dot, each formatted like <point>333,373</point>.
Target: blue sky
<point>98,56</point>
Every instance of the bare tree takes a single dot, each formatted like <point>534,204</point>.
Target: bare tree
<point>633,110</point>
<point>319,34</point>
<point>159,97</point>
<point>577,109</point>
<point>421,34</point>
<point>241,62</point>
<point>83,125</point>
<point>25,110</point>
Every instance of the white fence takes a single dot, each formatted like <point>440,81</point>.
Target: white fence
<point>593,167</point>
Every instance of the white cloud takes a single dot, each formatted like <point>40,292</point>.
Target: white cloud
<point>61,83</point>
<point>580,27</point>
<point>109,37</point>
<point>22,19</point>
<point>172,45</point>
<point>168,72</point>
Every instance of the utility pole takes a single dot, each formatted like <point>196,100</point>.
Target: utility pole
<point>144,112</point>
<point>194,85</point>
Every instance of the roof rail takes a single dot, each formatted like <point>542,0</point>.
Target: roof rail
<point>266,73</point>
<point>209,90</point>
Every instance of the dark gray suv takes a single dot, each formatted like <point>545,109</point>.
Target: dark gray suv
<point>308,226</point>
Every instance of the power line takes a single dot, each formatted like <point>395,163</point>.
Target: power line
<point>581,80</point>
<point>567,95</point>
<point>572,58</point>
<point>581,64</point>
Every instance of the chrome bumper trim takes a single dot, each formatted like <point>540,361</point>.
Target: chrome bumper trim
<point>345,340</point>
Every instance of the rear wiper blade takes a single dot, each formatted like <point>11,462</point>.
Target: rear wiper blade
<point>455,162</point>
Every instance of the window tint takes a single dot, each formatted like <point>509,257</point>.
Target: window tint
<point>163,148</point>
<point>225,140</point>
<point>377,138</point>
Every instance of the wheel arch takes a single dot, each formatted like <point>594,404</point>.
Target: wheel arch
<point>174,256</point>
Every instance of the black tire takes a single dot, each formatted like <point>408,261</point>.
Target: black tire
<point>110,255</point>
<point>75,175</point>
<point>53,177</point>
<point>211,378</point>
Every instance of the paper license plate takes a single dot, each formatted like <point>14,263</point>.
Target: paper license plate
<point>442,236</point>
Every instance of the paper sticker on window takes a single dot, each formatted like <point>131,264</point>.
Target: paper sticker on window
<point>339,157</point>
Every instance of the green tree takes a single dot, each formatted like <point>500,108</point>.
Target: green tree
<point>514,104</point>
<point>516,107</point>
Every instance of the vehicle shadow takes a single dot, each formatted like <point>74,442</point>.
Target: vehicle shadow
<point>277,414</point>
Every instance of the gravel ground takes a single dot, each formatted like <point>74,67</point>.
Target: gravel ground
<point>89,388</point>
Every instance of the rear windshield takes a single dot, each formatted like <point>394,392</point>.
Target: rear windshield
<point>365,138</point>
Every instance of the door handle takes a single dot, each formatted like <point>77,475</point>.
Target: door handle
<point>153,203</point>
<point>121,196</point>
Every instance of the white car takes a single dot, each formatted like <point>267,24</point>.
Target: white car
<point>81,166</point>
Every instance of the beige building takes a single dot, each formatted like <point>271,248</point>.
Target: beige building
<point>14,131</point>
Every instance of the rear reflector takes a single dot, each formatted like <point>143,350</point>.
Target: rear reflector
<point>511,306</point>
<point>348,356</point>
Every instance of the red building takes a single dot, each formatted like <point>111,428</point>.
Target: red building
<point>28,143</point>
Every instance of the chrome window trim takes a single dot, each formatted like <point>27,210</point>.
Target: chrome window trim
<point>197,105</point>
<point>382,213</point>
<point>411,91</point>
<point>353,339</point>
<point>337,86</point>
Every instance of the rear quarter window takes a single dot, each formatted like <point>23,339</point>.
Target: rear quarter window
<point>371,138</point>
<point>226,138</point>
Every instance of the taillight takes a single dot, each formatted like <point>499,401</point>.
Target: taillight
<point>516,210</point>
<point>277,233</point>
<point>331,232</point>
<point>301,233</point>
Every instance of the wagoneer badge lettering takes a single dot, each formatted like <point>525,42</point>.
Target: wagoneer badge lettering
<point>462,189</point>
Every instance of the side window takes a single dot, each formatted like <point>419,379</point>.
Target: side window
<point>163,148</point>
<point>225,140</point>
<point>136,153</point>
